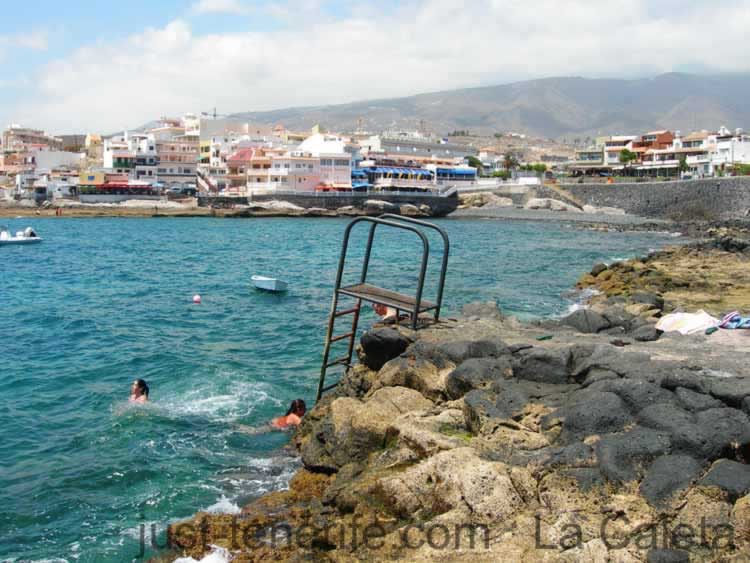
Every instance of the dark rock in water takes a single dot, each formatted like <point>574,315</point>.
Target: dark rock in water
<point>667,475</point>
<point>546,366</point>
<point>593,413</point>
<point>624,457</point>
<point>652,299</point>
<point>693,401</point>
<point>667,556</point>
<point>731,390</point>
<point>477,373</point>
<point>646,333</point>
<point>381,345</point>
<point>586,321</point>
<point>730,476</point>
<point>483,310</point>
<point>598,269</point>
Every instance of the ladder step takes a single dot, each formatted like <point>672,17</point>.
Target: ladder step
<point>329,387</point>
<point>346,312</point>
<point>342,337</point>
<point>344,361</point>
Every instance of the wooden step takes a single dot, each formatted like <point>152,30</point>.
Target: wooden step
<point>386,297</point>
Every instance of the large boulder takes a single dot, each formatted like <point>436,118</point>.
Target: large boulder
<point>352,429</point>
<point>482,310</point>
<point>381,345</point>
<point>625,457</point>
<point>586,321</point>
<point>456,480</point>
<point>653,300</point>
<point>418,374</point>
<point>592,413</point>
<point>693,401</point>
<point>477,373</point>
<point>667,475</point>
<point>542,365</point>
<point>731,390</point>
<point>426,434</point>
<point>551,204</point>
<point>730,476</point>
<point>378,206</point>
<point>458,350</point>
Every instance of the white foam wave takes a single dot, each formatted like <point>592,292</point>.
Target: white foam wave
<point>217,555</point>
<point>580,299</point>
<point>221,403</point>
<point>224,506</point>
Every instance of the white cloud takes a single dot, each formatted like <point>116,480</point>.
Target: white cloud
<point>220,7</point>
<point>419,47</point>
<point>35,40</point>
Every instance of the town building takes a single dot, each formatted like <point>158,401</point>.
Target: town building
<point>335,163</point>
<point>415,145</point>
<point>177,160</point>
<point>17,138</point>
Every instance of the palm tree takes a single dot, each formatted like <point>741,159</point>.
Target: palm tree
<point>510,161</point>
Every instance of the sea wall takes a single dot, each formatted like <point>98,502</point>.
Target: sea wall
<point>439,205</point>
<point>716,198</point>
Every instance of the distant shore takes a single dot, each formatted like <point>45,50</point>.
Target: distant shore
<point>549,215</point>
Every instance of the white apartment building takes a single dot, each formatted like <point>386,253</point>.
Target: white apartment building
<point>335,166</point>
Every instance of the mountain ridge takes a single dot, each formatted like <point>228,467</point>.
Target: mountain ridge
<point>554,107</point>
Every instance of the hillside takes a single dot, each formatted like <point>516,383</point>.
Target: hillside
<point>552,107</point>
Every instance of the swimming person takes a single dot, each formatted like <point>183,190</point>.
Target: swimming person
<point>139,391</point>
<point>387,314</point>
<point>293,416</point>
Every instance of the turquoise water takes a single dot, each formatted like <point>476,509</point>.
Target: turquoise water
<point>102,301</point>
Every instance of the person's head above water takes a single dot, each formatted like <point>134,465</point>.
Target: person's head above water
<point>139,390</point>
<point>297,407</point>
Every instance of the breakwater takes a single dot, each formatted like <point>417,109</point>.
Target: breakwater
<point>432,205</point>
<point>715,198</point>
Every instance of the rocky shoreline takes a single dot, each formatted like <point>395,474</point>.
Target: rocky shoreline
<point>191,209</point>
<point>592,437</point>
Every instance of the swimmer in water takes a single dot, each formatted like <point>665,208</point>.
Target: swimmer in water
<point>139,391</point>
<point>293,416</point>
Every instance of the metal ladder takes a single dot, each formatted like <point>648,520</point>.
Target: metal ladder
<point>378,295</point>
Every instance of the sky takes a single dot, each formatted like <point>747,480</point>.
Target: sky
<point>81,66</point>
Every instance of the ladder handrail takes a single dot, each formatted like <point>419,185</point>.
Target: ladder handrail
<point>378,221</point>
<point>390,220</point>
<point>446,252</point>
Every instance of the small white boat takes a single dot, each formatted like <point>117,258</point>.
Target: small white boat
<point>27,236</point>
<point>269,284</point>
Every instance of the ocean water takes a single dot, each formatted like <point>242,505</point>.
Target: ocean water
<point>103,301</point>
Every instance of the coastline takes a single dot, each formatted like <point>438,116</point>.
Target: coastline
<point>539,436</point>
